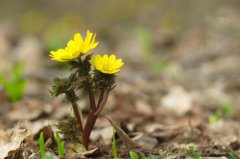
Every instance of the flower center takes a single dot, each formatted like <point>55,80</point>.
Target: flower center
<point>107,67</point>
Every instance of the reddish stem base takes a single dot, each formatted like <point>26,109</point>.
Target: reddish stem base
<point>88,128</point>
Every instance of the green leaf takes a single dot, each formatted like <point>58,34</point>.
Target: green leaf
<point>161,153</point>
<point>233,155</point>
<point>182,150</point>
<point>133,155</point>
<point>60,145</point>
<point>197,155</point>
<point>114,145</point>
<point>192,148</point>
<point>41,145</point>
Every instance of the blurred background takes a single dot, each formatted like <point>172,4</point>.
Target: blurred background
<point>179,55</point>
<point>193,40</point>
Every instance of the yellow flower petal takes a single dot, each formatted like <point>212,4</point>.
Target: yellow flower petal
<point>107,64</point>
<point>75,48</point>
<point>78,38</point>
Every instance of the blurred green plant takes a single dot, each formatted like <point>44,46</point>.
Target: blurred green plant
<point>156,65</point>
<point>227,110</point>
<point>161,154</point>
<point>60,145</point>
<point>114,145</point>
<point>41,145</point>
<point>16,85</point>
<point>191,152</point>
<point>145,38</point>
<point>233,155</point>
<point>170,153</point>
<point>133,155</point>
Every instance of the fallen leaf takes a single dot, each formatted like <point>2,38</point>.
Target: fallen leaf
<point>16,136</point>
<point>128,142</point>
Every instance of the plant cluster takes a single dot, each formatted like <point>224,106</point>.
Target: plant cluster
<point>191,152</point>
<point>134,155</point>
<point>92,74</point>
<point>188,153</point>
<point>41,144</point>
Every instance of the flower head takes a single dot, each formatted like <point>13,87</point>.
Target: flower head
<point>107,64</point>
<point>75,48</point>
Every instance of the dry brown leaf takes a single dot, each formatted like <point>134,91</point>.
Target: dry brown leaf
<point>16,136</point>
<point>128,142</point>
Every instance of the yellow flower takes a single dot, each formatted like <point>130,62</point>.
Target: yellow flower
<point>75,48</point>
<point>62,55</point>
<point>107,64</point>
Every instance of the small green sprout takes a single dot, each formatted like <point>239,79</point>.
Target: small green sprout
<point>114,145</point>
<point>60,145</point>
<point>226,111</point>
<point>161,153</point>
<point>41,145</point>
<point>192,148</point>
<point>133,155</point>
<point>233,155</point>
<point>196,155</point>
<point>215,117</point>
<point>182,150</point>
<point>190,152</point>
<point>14,87</point>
